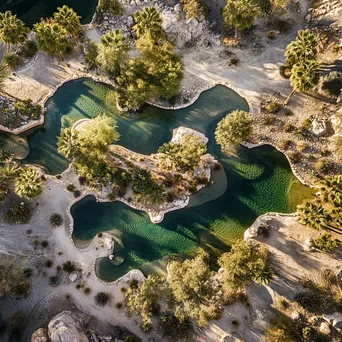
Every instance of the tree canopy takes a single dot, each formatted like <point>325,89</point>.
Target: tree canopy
<point>68,18</point>
<point>12,29</point>
<point>243,264</point>
<point>52,38</point>
<point>234,128</point>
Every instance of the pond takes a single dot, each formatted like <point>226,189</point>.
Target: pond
<point>30,11</point>
<point>259,180</point>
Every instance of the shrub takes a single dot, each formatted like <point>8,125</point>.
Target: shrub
<point>91,56</point>
<point>284,144</point>
<point>118,305</point>
<point>56,220</point>
<point>53,280</point>
<point>324,166</point>
<point>307,124</point>
<point>325,242</point>
<point>302,146</point>
<point>69,267</point>
<point>234,61</point>
<point>101,298</point>
<point>273,107</point>
<point>112,7</point>
<point>271,34</point>
<point>295,156</point>
<point>236,323</point>
<point>22,289</point>
<point>288,112</point>
<point>82,180</point>
<point>87,290</point>
<point>288,127</point>
<point>48,263</point>
<point>279,24</point>
<point>171,326</point>
<point>71,187</point>
<point>27,108</point>
<point>29,49</point>
<point>44,243</point>
<point>146,326</point>
<point>133,284</point>
<point>20,214</point>
<point>268,119</point>
<point>100,235</point>
<point>12,60</point>
<point>28,272</point>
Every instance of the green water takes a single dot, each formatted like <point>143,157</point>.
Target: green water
<point>259,180</point>
<point>30,11</point>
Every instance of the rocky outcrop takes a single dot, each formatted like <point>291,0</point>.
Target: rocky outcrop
<point>66,326</point>
<point>40,335</point>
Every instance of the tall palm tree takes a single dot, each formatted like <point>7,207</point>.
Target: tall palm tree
<point>12,29</point>
<point>241,14</point>
<point>313,215</point>
<point>29,183</point>
<point>331,189</point>
<point>68,18</point>
<point>304,77</point>
<point>52,38</point>
<point>303,48</point>
<point>148,22</point>
<point>68,144</point>
<point>112,51</point>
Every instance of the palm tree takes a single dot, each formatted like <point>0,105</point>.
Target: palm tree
<point>12,29</point>
<point>68,18</point>
<point>241,14</point>
<point>156,194</point>
<point>303,48</point>
<point>29,183</point>
<point>112,52</point>
<point>304,77</point>
<point>52,38</point>
<point>313,215</point>
<point>331,189</point>
<point>68,144</point>
<point>148,22</point>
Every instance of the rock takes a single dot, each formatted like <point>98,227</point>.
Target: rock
<point>308,244</point>
<point>194,22</point>
<point>324,328</point>
<point>66,326</point>
<point>73,276</point>
<point>308,18</point>
<point>319,127</point>
<point>40,335</point>
<point>130,21</point>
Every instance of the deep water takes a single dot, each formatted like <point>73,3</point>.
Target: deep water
<point>259,180</point>
<point>30,11</point>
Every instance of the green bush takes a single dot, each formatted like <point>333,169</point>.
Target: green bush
<point>307,124</point>
<point>325,242</point>
<point>53,280</point>
<point>71,187</point>
<point>56,220</point>
<point>295,156</point>
<point>69,267</point>
<point>171,326</point>
<point>27,108</point>
<point>112,7</point>
<point>20,214</point>
<point>29,49</point>
<point>22,289</point>
<point>234,61</point>
<point>324,166</point>
<point>268,119</point>
<point>48,263</point>
<point>271,34</point>
<point>102,298</point>
<point>284,144</point>
<point>288,127</point>
<point>273,107</point>
<point>12,60</point>
<point>91,56</point>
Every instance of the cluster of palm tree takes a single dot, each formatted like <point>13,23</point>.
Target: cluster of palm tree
<point>157,71</point>
<point>301,57</point>
<point>54,34</point>
<point>26,181</point>
<point>325,212</point>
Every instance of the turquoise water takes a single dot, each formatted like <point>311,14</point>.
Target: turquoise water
<point>259,180</point>
<point>30,11</point>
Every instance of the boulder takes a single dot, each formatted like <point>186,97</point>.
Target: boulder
<point>308,244</point>
<point>40,335</point>
<point>73,276</point>
<point>319,127</point>
<point>66,326</point>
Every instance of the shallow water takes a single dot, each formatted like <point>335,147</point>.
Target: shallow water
<point>30,11</point>
<point>259,180</point>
